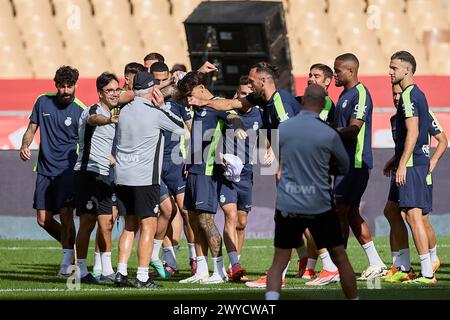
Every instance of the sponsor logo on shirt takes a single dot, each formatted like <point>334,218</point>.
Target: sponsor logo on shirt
<point>357,109</point>
<point>344,105</point>
<point>46,114</point>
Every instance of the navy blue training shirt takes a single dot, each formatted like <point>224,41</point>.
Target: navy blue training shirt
<point>58,132</point>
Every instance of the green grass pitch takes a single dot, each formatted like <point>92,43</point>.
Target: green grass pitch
<point>28,271</point>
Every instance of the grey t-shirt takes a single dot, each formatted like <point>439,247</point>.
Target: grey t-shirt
<point>308,146</point>
<point>140,142</point>
<point>95,142</point>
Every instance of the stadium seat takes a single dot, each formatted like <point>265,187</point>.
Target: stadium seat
<point>429,21</point>
<point>337,9</point>
<point>395,6</point>
<point>153,10</point>
<point>440,59</point>
<point>181,9</point>
<point>416,8</point>
<point>111,10</point>
<point>26,9</point>
<point>6,9</point>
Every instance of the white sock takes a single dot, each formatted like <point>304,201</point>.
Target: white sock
<point>156,248</point>
<point>302,252</point>
<point>404,260</point>
<point>239,257</point>
<point>107,268</point>
<point>327,262</point>
<point>81,263</point>
<point>311,264</point>
<point>433,255</point>
<point>372,254</point>
<point>202,265</point>
<point>67,257</point>
<point>97,263</point>
<point>192,253</point>
<point>425,266</point>
<point>283,276</point>
<point>142,274</point>
<point>395,255</point>
<point>234,258</point>
<point>122,269</point>
<point>272,295</point>
<point>170,258</point>
<point>218,265</point>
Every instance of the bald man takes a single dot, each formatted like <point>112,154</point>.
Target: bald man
<point>353,120</point>
<point>305,162</point>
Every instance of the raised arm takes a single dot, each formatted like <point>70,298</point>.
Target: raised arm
<point>222,104</point>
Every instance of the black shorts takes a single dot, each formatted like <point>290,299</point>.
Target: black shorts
<point>93,193</point>
<point>141,201</point>
<point>325,230</point>
<point>117,202</point>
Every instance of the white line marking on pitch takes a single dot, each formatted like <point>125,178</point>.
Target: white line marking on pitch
<point>245,247</point>
<point>197,289</point>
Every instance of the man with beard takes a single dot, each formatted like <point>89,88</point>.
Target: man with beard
<point>57,116</point>
<point>277,106</point>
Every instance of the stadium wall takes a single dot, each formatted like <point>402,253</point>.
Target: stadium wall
<point>17,218</point>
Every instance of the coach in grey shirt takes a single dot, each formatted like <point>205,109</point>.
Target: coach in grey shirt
<point>309,150</point>
<point>140,143</point>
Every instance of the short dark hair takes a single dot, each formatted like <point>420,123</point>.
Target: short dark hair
<point>266,67</point>
<point>190,81</point>
<point>244,80</point>
<point>66,75</point>
<point>104,79</point>
<point>327,72</point>
<point>134,68</point>
<point>348,57</point>
<point>154,56</point>
<point>407,57</point>
<point>178,67</point>
<point>314,96</point>
<point>159,67</point>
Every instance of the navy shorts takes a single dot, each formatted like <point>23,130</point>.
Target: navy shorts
<point>414,193</point>
<point>325,229</point>
<point>54,193</point>
<point>201,193</point>
<point>350,188</point>
<point>429,203</point>
<point>172,181</point>
<point>93,193</point>
<point>239,193</point>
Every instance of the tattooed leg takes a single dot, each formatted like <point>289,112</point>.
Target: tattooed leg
<point>211,232</point>
<point>201,244</point>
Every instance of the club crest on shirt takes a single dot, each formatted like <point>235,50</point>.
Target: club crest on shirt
<point>89,205</point>
<point>68,122</point>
